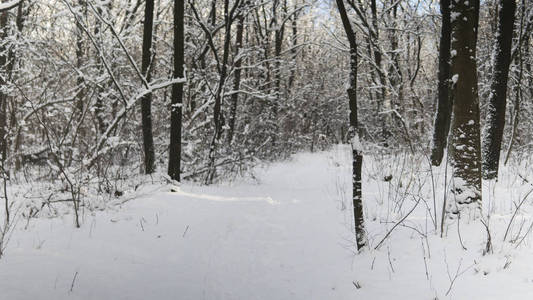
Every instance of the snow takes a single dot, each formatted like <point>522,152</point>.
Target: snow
<point>275,240</point>
<point>454,15</point>
<point>8,5</point>
<point>356,143</point>
<point>455,78</point>
<point>287,235</point>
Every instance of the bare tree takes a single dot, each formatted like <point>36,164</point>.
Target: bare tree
<point>237,77</point>
<point>357,155</point>
<point>146,101</point>
<point>174,159</point>
<point>498,90</point>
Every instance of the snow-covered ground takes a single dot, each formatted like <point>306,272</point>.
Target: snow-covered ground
<point>285,236</point>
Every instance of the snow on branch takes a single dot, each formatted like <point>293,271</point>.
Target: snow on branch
<point>9,5</point>
<point>97,150</point>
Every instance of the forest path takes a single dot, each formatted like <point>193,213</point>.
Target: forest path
<point>284,237</point>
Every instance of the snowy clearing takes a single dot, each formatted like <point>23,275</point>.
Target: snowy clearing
<point>287,236</point>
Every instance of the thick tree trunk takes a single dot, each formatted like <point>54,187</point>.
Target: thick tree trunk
<point>146,101</point>
<point>357,157</point>
<point>174,159</point>
<point>444,104</point>
<point>465,149</point>
<point>498,90</point>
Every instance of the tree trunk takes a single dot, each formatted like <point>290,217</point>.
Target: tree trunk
<point>217,109</point>
<point>444,104</point>
<point>498,90</point>
<point>237,82</point>
<point>7,60</point>
<point>174,159</point>
<point>279,32</point>
<point>21,17</point>
<point>357,157</point>
<point>465,149</point>
<point>294,25</point>
<point>79,60</point>
<point>373,39</point>
<point>99,103</point>
<point>3,96</point>
<point>146,101</point>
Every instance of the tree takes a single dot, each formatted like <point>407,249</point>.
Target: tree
<point>237,77</point>
<point>174,159</point>
<point>146,101</point>
<point>465,148</point>
<point>498,90</point>
<point>444,105</point>
<point>3,95</point>
<point>372,35</point>
<point>229,17</point>
<point>5,59</point>
<point>357,156</point>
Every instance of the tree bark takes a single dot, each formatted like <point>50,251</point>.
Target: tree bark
<point>294,25</point>
<point>217,109</point>
<point>99,103</point>
<point>174,160</point>
<point>498,90</point>
<point>79,60</point>
<point>237,79</point>
<point>465,148</point>
<point>444,104</point>
<point>3,96</point>
<point>146,101</point>
<point>279,32</point>
<point>357,156</point>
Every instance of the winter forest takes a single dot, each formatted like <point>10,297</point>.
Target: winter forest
<point>266,149</point>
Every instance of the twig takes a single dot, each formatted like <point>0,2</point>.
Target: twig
<point>390,262</point>
<point>73,280</point>
<point>457,273</point>
<point>396,225</point>
<point>526,234</point>
<point>459,231</point>
<point>515,212</point>
<point>488,246</point>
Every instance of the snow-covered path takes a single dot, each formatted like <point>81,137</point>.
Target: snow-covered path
<point>283,238</point>
<point>286,236</point>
